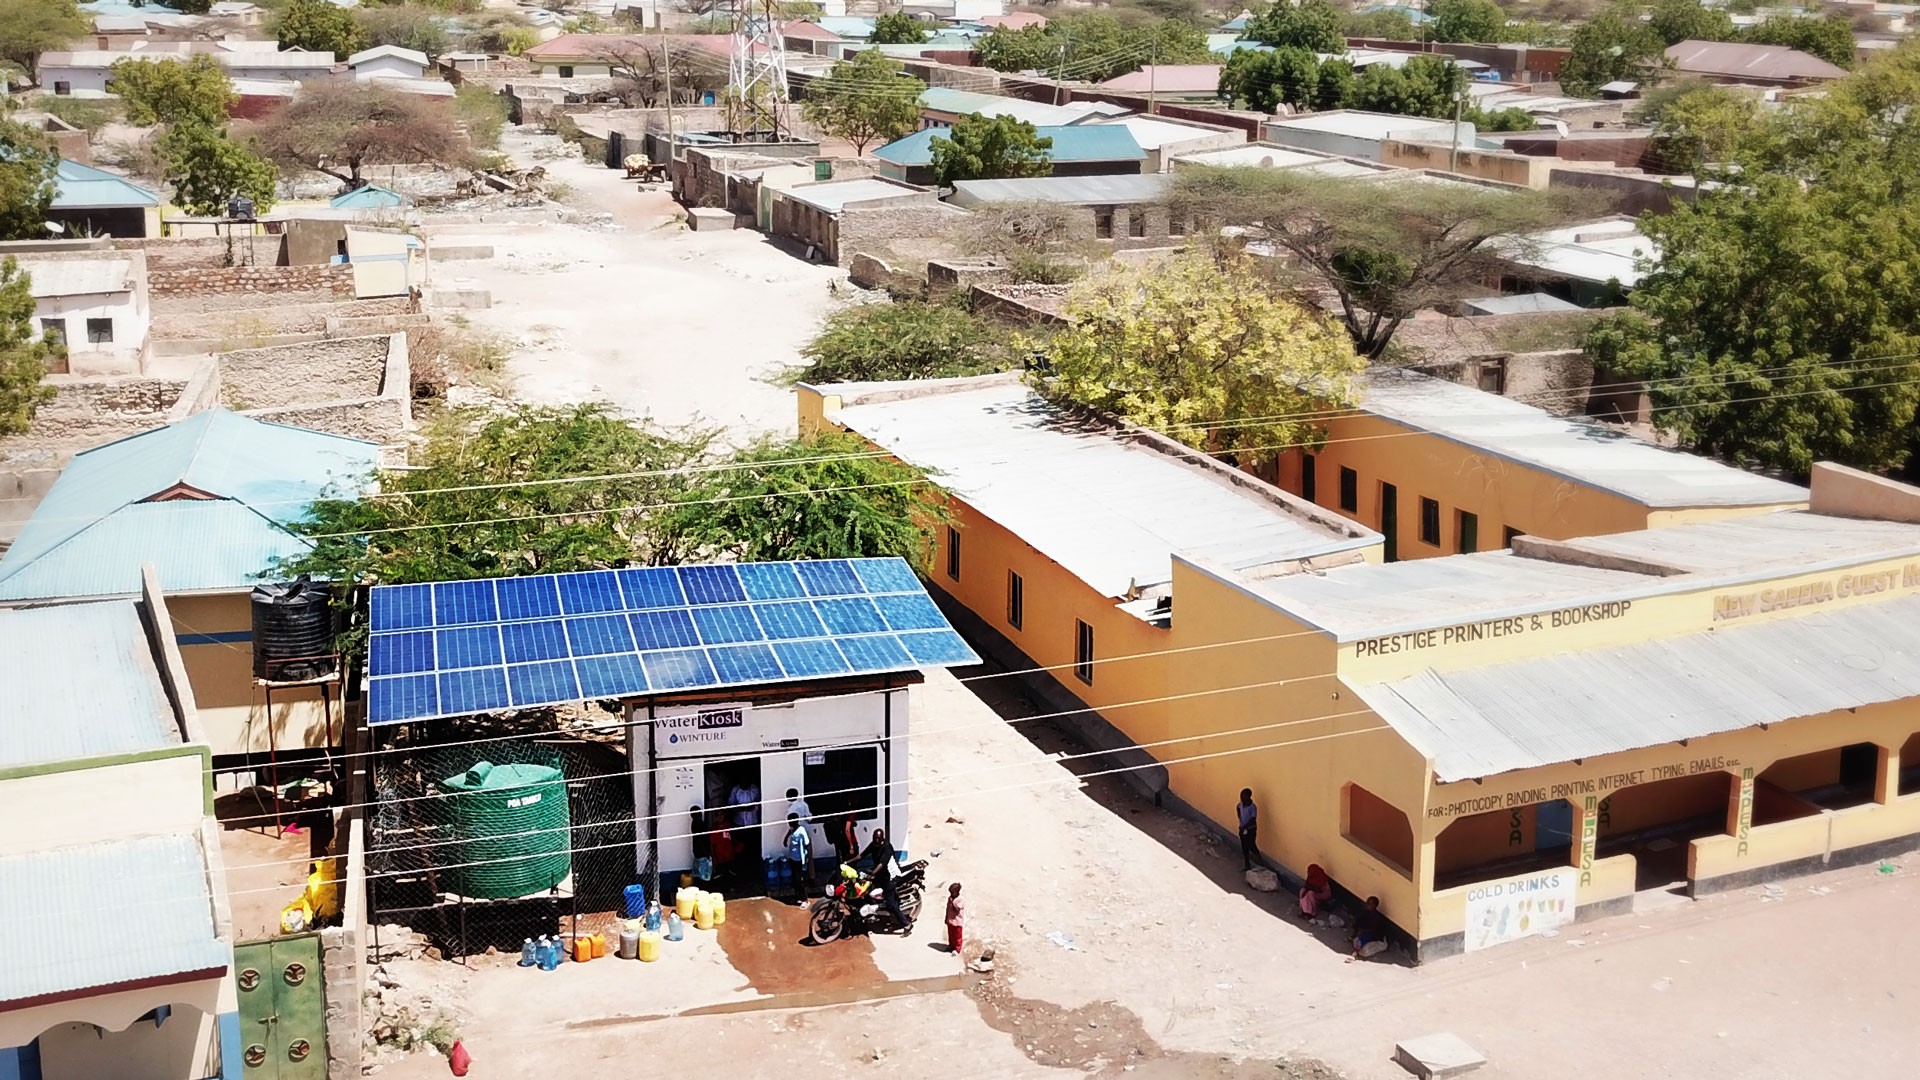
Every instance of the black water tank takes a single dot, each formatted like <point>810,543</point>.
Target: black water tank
<point>292,621</point>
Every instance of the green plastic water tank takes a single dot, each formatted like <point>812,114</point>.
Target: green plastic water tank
<point>510,829</point>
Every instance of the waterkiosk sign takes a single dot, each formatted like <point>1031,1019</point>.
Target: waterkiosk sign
<point>1503,911</point>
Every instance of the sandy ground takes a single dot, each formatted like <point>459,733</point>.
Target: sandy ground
<point>644,314</point>
<point>1178,970</point>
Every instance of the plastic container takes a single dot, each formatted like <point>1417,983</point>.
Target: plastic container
<point>583,948</point>
<point>629,942</point>
<point>703,912</point>
<point>653,917</point>
<point>719,908</point>
<point>635,897</point>
<point>528,957</point>
<point>683,901</point>
<point>549,953</point>
<point>675,928</point>
<point>649,946</point>
<point>599,942</point>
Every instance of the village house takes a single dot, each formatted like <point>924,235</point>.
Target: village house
<point>86,72</point>
<point>1083,150</point>
<point>93,305</point>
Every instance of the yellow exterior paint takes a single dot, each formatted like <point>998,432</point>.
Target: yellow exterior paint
<point>233,710</point>
<point>1501,493</point>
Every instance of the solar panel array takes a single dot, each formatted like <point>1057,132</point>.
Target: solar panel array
<point>459,647</point>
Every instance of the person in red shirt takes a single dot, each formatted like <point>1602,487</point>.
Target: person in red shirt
<point>956,917</point>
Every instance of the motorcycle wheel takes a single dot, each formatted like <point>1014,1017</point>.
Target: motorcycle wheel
<point>829,920</point>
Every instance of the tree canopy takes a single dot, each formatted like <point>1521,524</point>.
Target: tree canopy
<point>1675,21</point>
<point>1313,25</point>
<point>196,90</point>
<point>1093,46</point>
<point>1610,47</point>
<point>406,26</point>
<point>320,26</point>
<point>476,505</point>
<point>340,128</point>
<point>1830,39</point>
<point>1205,351</point>
<point>867,99</point>
<point>207,167</point>
<point>31,27</point>
<point>27,169</point>
<point>905,339</point>
<point>897,28</point>
<point>1384,250</point>
<point>23,360</point>
<point>990,148</point>
<point>1478,21</point>
<point>1781,324</point>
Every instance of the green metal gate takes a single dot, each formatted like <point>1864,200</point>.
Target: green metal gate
<point>283,1011</point>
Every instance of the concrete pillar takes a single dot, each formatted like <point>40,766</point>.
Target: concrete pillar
<point>231,1065</point>
<point>1886,779</point>
<point>1740,810</point>
<point>1586,836</point>
<point>339,952</point>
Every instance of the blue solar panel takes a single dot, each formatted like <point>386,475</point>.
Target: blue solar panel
<point>459,647</point>
<point>712,585</point>
<point>663,629</point>
<point>610,676</point>
<point>467,646</point>
<point>400,654</point>
<point>401,607</point>
<point>526,642</point>
<point>542,684</point>
<point>652,587</point>
<point>727,625</point>
<point>681,669</point>
<point>586,594</point>
<point>743,665</point>
<point>458,602</point>
<point>529,598</point>
<point>850,615</point>
<point>830,577</point>
<point>771,581</point>
<point>475,690</point>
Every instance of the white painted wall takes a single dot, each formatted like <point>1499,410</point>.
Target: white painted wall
<point>113,802</point>
<point>132,323</point>
<point>70,1047</point>
<point>579,71</point>
<point>388,65</point>
<point>76,79</point>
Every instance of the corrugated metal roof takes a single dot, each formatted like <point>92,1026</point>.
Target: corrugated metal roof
<point>371,197</point>
<point>1585,453</point>
<point>1491,720</point>
<point>413,56</point>
<point>1083,142</point>
<point>1367,125</point>
<point>1523,303</point>
<point>83,187</point>
<point>833,195</point>
<point>82,683</point>
<point>78,277</point>
<point>1595,251</point>
<point>1265,155</point>
<point>58,902</point>
<point>1798,538</point>
<point>92,532</point>
<point>1168,79</point>
<point>1750,61</point>
<point>1110,511</point>
<point>1075,190</point>
<point>1152,133</point>
<point>965,102</point>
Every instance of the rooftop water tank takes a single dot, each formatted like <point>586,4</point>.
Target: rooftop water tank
<point>292,631</point>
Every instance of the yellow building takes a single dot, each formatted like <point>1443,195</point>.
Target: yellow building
<point>1444,469</point>
<point>1491,743</point>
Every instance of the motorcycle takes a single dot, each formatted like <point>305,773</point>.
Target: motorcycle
<point>856,902</point>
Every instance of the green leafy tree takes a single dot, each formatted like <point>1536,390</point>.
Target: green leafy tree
<point>1333,85</point>
<point>905,339</point>
<point>340,128</point>
<point>1197,349</point>
<point>23,360</point>
<point>31,27</point>
<point>1510,119</point>
<point>1263,80</point>
<point>320,26</point>
<point>407,26</point>
<point>1479,21</point>
<point>897,28</point>
<point>990,148</point>
<point>1830,39</point>
<point>1675,21</point>
<point>1610,48</point>
<point>1425,86</point>
<point>1385,25</point>
<point>482,113</point>
<point>867,99</point>
<point>1781,325</point>
<point>207,167</point>
<point>1384,250</point>
<point>192,7</point>
<point>1093,46</point>
<point>1313,25</point>
<point>28,166</point>
<point>1698,125</point>
<point>196,90</point>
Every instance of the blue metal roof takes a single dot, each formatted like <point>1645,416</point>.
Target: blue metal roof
<point>371,197</point>
<point>52,653</point>
<point>156,886</point>
<point>245,482</point>
<point>847,26</point>
<point>83,187</point>
<point>459,647</point>
<point>1079,142</point>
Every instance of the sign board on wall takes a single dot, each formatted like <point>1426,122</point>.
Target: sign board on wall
<point>1503,911</point>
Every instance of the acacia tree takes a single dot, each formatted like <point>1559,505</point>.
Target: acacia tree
<point>31,27</point>
<point>23,360</point>
<point>1094,46</point>
<point>1197,349</point>
<point>1385,250</point>
<point>172,91</point>
<point>27,169</point>
<point>897,28</point>
<point>989,148</point>
<point>903,339</point>
<point>867,99</point>
<point>340,128</point>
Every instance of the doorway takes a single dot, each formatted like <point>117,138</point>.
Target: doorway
<point>735,804</point>
<point>1390,521</point>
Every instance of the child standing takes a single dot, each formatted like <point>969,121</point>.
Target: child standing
<point>956,915</point>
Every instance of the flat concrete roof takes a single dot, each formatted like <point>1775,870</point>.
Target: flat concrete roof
<point>833,195</point>
<point>1365,125</point>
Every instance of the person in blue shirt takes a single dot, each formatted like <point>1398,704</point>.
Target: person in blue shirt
<point>800,854</point>
<point>1249,830</point>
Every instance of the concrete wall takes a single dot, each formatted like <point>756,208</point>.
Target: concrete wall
<point>1628,192</point>
<point>207,252</point>
<point>864,229</point>
<point>1516,169</point>
<point>148,796</point>
<point>215,633</point>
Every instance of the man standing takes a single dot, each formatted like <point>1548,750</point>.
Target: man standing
<point>745,798</point>
<point>797,804</point>
<point>884,863</point>
<point>800,854</point>
<point>1249,829</point>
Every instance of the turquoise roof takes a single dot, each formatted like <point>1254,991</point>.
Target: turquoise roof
<point>83,187</point>
<point>247,480</point>
<point>1079,142</point>
<point>371,197</point>
<point>847,26</point>
<point>102,646</point>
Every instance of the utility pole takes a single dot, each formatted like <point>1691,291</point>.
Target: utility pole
<point>666,67</point>
<point>1153,76</point>
<point>1061,75</point>
<point>1459,101</point>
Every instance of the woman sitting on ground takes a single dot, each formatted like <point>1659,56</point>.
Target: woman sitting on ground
<point>1316,893</point>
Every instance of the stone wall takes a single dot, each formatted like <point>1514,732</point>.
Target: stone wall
<point>251,280</point>
<point>206,252</point>
<point>869,272</point>
<point>375,419</point>
<point>342,967</point>
<point>304,373</point>
<point>1025,305</point>
<point>864,230</point>
<point>946,276</point>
